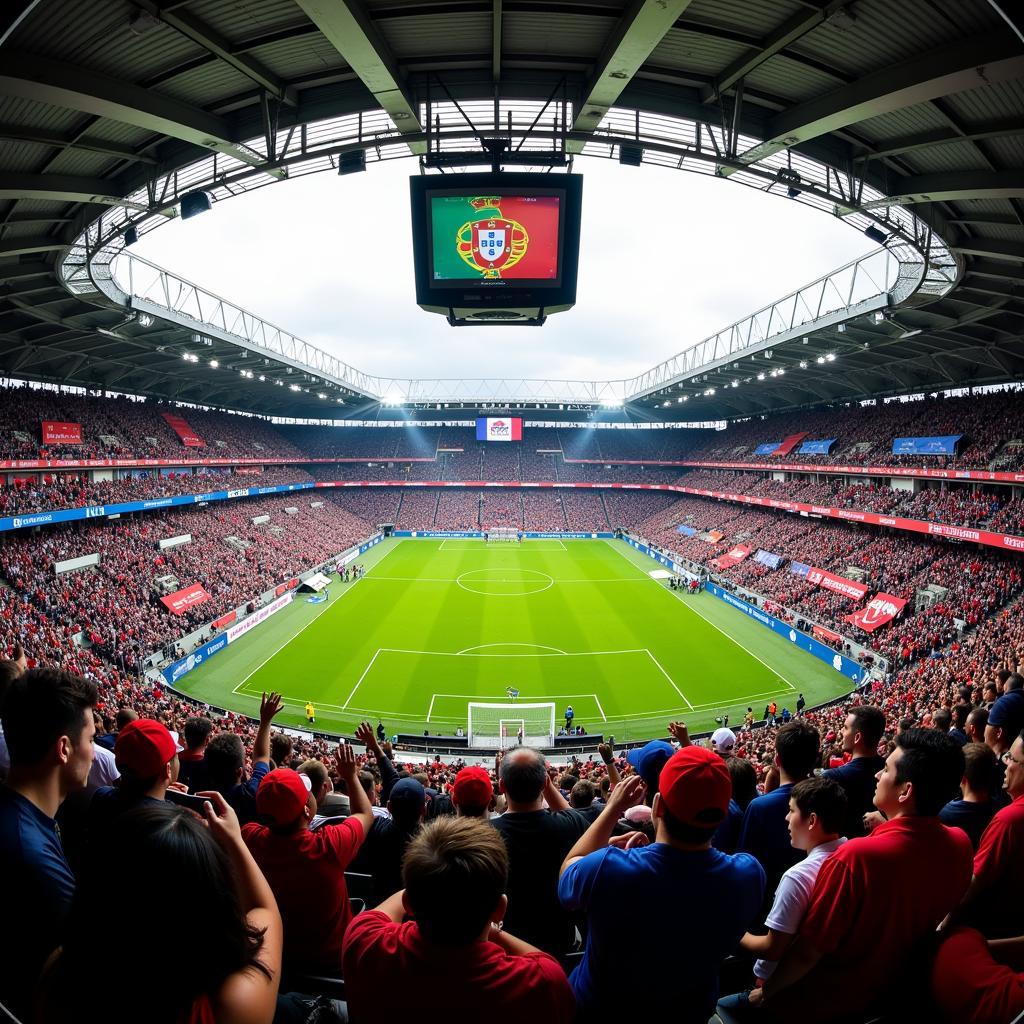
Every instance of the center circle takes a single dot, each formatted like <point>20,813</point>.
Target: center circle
<point>504,582</point>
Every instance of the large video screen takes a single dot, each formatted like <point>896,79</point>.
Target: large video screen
<point>494,237</point>
<point>507,241</point>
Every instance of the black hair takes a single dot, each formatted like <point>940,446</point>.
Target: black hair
<point>933,762</point>
<point>683,832</point>
<point>942,719</point>
<point>196,732</point>
<point>224,756</point>
<point>583,794</point>
<point>797,745</point>
<point>522,774</point>
<point>40,706</point>
<point>139,852</point>
<point>869,721</point>
<point>744,780</point>
<point>1014,681</point>
<point>981,768</point>
<point>824,797</point>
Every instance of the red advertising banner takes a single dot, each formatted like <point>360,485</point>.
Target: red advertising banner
<point>59,432</point>
<point>225,620</point>
<point>181,600</point>
<point>837,584</point>
<point>882,608</point>
<point>731,558</point>
<point>189,438</point>
<point>280,589</point>
<point>788,444</point>
<point>826,634</point>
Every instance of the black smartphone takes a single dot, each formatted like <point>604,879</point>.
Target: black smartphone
<point>189,800</point>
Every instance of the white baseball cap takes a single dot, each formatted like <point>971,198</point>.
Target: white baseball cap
<point>723,739</point>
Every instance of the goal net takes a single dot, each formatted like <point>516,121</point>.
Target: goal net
<point>502,535</point>
<point>498,725</point>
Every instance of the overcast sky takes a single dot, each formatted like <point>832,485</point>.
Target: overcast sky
<point>667,258</point>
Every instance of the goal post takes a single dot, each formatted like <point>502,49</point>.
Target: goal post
<point>498,725</point>
<point>502,535</point>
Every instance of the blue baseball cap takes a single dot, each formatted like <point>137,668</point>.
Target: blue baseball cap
<point>1008,713</point>
<point>407,798</point>
<point>649,760</point>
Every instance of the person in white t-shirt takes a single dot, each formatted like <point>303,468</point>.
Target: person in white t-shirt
<point>817,809</point>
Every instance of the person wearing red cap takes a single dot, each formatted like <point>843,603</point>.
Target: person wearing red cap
<point>306,870</point>
<point>473,792</point>
<point>630,889</point>
<point>146,753</point>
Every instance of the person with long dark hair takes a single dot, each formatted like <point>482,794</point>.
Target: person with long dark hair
<point>173,911</point>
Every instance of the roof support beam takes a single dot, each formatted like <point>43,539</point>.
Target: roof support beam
<point>496,41</point>
<point>785,35</point>
<point>631,42</point>
<point>991,247</point>
<point>995,268</point>
<point>951,187</point>
<point>966,64</point>
<point>943,137</point>
<point>20,133</point>
<point>13,14</point>
<point>61,188</point>
<point>348,28</point>
<point>25,246</point>
<point>194,29</point>
<point>17,271</point>
<point>60,84</point>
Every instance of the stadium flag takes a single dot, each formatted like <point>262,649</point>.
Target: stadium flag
<point>837,584</point>
<point>789,443</point>
<point>945,445</point>
<point>766,449</point>
<point>768,558</point>
<point>189,438</point>
<point>714,536</point>
<point>499,428</point>
<point>686,531</point>
<point>730,558</point>
<point>59,432</point>
<point>825,634</point>
<point>817,447</point>
<point>181,600</point>
<point>882,608</point>
<point>799,568</point>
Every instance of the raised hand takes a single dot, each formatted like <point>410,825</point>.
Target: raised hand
<point>345,759</point>
<point>680,732</point>
<point>626,794</point>
<point>629,841</point>
<point>270,705</point>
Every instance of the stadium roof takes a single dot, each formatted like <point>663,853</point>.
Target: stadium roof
<point>908,118</point>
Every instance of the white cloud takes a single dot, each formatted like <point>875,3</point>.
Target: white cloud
<point>666,259</point>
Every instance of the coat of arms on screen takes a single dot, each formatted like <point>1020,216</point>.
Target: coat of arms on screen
<point>493,243</point>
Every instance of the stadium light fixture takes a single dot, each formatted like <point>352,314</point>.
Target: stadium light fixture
<point>820,359</point>
<point>803,364</point>
<point>144,320</point>
<point>831,357</point>
<point>879,315</point>
<point>294,387</point>
<point>841,328</point>
<point>735,383</point>
<point>214,364</point>
<point>195,203</point>
<point>760,376</point>
<point>876,234</point>
<point>782,371</point>
<point>262,379</point>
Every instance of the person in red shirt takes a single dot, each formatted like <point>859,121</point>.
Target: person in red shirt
<point>306,870</point>
<point>452,961</point>
<point>978,982</point>
<point>879,897</point>
<point>996,897</point>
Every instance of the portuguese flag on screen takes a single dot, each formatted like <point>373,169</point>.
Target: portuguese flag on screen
<point>508,237</point>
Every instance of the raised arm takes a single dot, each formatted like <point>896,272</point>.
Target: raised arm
<point>626,794</point>
<point>388,775</point>
<point>248,996</point>
<point>348,770</point>
<point>269,706</point>
<point>553,795</point>
<point>608,756</point>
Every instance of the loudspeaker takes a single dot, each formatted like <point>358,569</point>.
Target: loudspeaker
<point>353,162</point>
<point>194,203</point>
<point>631,155</point>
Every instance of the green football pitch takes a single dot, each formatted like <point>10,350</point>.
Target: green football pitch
<point>436,624</point>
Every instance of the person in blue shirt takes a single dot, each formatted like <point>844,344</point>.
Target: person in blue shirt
<point>49,728</point>
<point>861,733</point>
<point>569,715</point>
<point>635,896</point>
<point>765,833</point>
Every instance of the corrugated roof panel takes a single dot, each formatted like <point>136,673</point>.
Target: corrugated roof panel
<point>1007,151</point>
<point>235,20</point>
<point>989,102</point>
<point>204,86</point>
<point>695,52</point>
<point>40,116</point>
<point>23,156</point>
<point>791,80</point>
<point>759,17</point>
<point>898,124</point>
<point>418,35</point>
<point>301,56</point>
<point>956,156</point>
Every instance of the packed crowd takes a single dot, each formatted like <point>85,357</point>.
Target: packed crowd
<point>856,860</point>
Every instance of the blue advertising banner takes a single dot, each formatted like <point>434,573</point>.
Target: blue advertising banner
<point>816,447</point>
<point>661,559</point>
<point>686,531</point>
<point>437,534</point>
<point>67,515</point>
<point>173,672</point>
<point>767,449</point>
<point>769,558</point>
<point>370,543</point>
<point>799,569</point>
<point>822,652</point>
<point>945,445</point>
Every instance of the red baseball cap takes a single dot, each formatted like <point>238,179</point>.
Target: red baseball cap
<point>144,747</point>
<point>473,787</point>
<point>282,795</point>
<point>696,787</point>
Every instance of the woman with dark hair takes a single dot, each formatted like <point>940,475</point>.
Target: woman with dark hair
<point>173,912</point>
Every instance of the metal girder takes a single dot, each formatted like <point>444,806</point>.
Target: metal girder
<point>192,28</point>
<point>983,218</point>
<point>991,247</point>
<point>496,41</point>
<point>631,42</point>
<point>787,33</point>
<point>17,271</point>
<point>348,28</point>
<point>994,268</point>
<point>966,64</point>
<point>951,187</point>
<point>30,77</point>
<point>21,133</point>
<point>13,13</point>
<point>26,246</point>
<point>944,136</point>
<point>61,188</point>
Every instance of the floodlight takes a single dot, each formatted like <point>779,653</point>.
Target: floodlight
<point>195,203</point>
<point>876,234</point>
<point>214,364</point>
